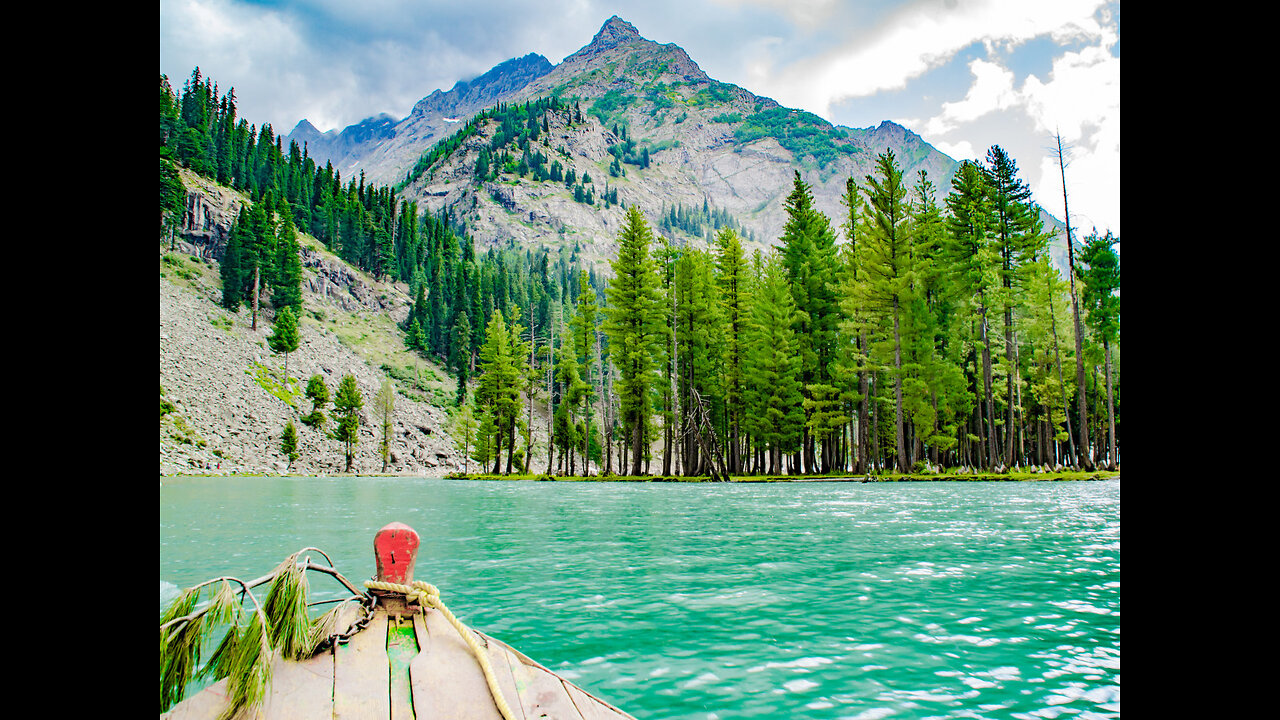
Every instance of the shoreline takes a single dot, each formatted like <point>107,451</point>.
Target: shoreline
<point>1065,476</point>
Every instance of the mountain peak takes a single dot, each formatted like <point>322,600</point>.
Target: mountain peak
<point>615,31</point>
<point>618,28</point>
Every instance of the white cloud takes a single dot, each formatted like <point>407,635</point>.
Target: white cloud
<point>1080,99</point>
<point>1083,90</point>
<point>915,39</point>
<point>960,150</point>
<point>992,90</point>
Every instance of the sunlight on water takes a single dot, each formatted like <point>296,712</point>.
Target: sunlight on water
<point>814,600</point>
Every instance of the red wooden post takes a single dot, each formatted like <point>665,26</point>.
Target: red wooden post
<point>395,548</point>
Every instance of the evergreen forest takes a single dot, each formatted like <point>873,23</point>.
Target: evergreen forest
<point>915,332</point>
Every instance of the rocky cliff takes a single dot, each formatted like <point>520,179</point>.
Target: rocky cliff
<point>385,149</point>
<point>225,397</point>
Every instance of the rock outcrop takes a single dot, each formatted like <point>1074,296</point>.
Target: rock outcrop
<point>231,400</point>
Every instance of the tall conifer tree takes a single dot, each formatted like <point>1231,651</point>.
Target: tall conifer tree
<point>633,322</point>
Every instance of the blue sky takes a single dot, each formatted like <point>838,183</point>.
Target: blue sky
<point>964,74</point>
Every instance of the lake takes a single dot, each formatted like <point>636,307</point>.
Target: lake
<point>682,600</point>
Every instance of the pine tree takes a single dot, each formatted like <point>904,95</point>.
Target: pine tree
<point>1016,232</point>
<point>318,394</point>
<point>733,279</point>
<point>173,196</point>
<point>773,398</point>
<point>498,391</point>
<point>972,261</point>
<point>887,267</point>
<point>460,358</point>
<point>633,322</point>
<point>808,253</point>
<point>284,337</point>
<point>464,433</point>
<point>346,406</point>
<point>486,432</point>
<point>853,361</point>
<point>1101,298</point>
<point>232,265</point>
<point>289,443</point>
<point>584,335</point>
<point>384,404</point>
<point>286,289</point>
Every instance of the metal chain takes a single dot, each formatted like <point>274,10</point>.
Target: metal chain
<point>333,641</point>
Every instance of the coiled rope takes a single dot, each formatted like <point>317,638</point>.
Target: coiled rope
<point>428,594</point>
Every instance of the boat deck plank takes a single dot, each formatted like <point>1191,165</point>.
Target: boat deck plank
<point>500,661</point>
<point>446,679</point>
<point>588,706</point>
<point>204,705</point>
<point>361,674</point>
<point>584,703</point>
<point>301,690</point>
<point>542,695</point>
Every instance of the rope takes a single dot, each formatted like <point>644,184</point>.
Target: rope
<point>428,594</point>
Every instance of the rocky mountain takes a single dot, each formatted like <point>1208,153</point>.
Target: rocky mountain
<point>711,144</point>
<point>385,148</point>
<point>639,118</point>
<point>225,396</point>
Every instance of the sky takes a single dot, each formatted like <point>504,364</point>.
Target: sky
<point>963,74</point>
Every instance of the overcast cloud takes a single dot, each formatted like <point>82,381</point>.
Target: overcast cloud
<point>964,74</point>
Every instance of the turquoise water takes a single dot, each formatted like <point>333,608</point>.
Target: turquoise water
<point>789,600</point>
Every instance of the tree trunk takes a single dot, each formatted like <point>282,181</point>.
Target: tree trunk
<point>1062,385</point>
<point>986,384</point>
<point>1010,356</point>
<point>255,299</point>
<point>637,440</point>
<point>864,408</point>
<point>497,450</point>
<point>1083,451</point>
<point>1112,458</point>
<point>897,393</point>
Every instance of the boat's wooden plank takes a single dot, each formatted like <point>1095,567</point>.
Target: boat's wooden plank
<point>548,681</point>
<point>446,678</point>
<point>402,647</point>
<point>207,704</point>
<point>500,661</point>
<point>542,694</point>
<point>361,674</point>
<point>304,690</point>
<point>301,690</point>
<point>591,707</point>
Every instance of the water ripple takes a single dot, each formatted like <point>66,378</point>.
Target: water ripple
<point>806,601</point>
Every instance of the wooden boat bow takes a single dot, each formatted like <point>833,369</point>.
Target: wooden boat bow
<point>410,660</point>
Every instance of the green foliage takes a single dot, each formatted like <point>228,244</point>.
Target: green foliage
<point>284,335</point>
<point>502,363</point>
<point>252,636</point>
<point>806,135</point>
<point>1100,274</point>
<point>289,442</point>
<point>384,404</point>
<point>282,388</point>
<point>318,394</point>
<point>463,432</point>
<point>179,266</point>
<point>700,222</point>
<point>347,403</point>
<point>634,324</point>
<point>613,102</point>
